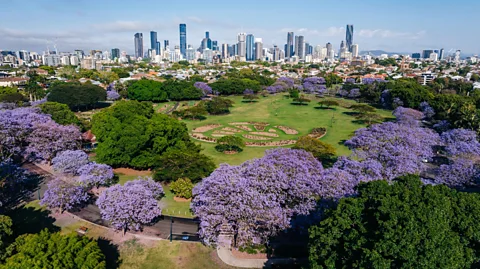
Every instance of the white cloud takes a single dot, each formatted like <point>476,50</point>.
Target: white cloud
<point>381,33</point>
<point>327,32</point>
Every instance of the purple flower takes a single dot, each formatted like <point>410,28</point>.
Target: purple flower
<point>112,95</point>
<point>368,81</point>
<point>462,173</point>
<point>63,194</point>
<point>350,80</point>
<point>248,92</point>
<point>427,110</point>
<point>408,116</point>
<point>397,102</point>
<point>461,142</point>
<point>314,85</point>
<point>206,89</point>
<point>94,175</point>
<point>69,161</point>
<point>354,93</point>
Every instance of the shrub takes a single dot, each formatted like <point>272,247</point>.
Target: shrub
<point>182,187</point>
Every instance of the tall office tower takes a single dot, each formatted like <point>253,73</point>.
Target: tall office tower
<point>153,41</point>
<point>355,50</point>
<point>301,47</point>
<point>426,54</point>
<point>440,56</point>
<point>138,45</point>
<point>250,48</point>
<point>215,45</point>
<point>258,49</point>
<point>349,37</point>
<point>306,48</point>
<point>457,56</point>
<point>24,55</point>
<point>289,49</point>
<point>207,34</point>
<point>295,50</point>
<point>343,47</point>
<point>330,52</point>
<point>158,48</point>
<point>183,39</point>
<point>165,44</point>
<point>225,53</point>
<point>276,53</point>
<point>190,53</point>
<point>241,48</point>
<point>115,54</point>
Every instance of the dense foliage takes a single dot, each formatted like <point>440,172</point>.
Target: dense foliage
<point>131,205</point>
<point>53,250</point>
<point>230,143</point>
<point>131,134</point>
<point>258,198</point>
<point>150,90</point>
<point>76,95</point>
<point>175,164</point>
<point>218,106</point>
<point>182,187</point>
<point>235,86</point>
<point>324,152</point>
<point>400,225</point>
<point>69,161</point>
<point>60,113</point>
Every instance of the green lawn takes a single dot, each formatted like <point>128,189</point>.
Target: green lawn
<point>278,110</point>
<point>169,206</point>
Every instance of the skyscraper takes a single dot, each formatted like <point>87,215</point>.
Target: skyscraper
<point>426,54</point>
<point>165,44</point>
<point>258,49</point>
<point>301,47</point>
<point>295,51</point>
<point>138,45</point>
<point>349,37</point>
<point>355,50</point>
<point>330,52</point>
<point>115,54</point>
<point>183,39</point>
<point>440,56</point>
<point>153,41</point>
<point>250,48</point>
<point>225,53</point>
<point>289,49</point>
<point>241,48</point>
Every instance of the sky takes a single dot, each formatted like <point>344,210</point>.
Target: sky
<point>393,25</point>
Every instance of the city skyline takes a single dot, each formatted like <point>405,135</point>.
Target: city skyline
<point>375,31</point>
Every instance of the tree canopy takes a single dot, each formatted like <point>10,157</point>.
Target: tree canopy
<point>151,90</point>
<point>400,225</point>
<point>131,134</point>
<point>60,113</point>
<point>76,95</point>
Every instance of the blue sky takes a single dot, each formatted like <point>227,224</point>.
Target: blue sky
<point>402,26</point>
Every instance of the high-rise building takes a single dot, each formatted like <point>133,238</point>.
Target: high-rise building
<point>115,54</point>
<point>301,47</point>
<point>457,56</point>
<point>250,48</point>
<point>355,50</point>
<point>190,53</point>
<point>225,53</point>
<point>241,47</point>
<point>258,49</point>
<point>295,50</point>
<point>183,39</point>
<point>165,44</point>
<point>426,54</point>
<point>416,56</point>
<point>153,41</point>
<point>138,45</point>
<point>349,37</point>
<point>289,48</point>
<point>276,53</point>
<point>330,52</point>
<point>441,54</point>
<point>214,45</point>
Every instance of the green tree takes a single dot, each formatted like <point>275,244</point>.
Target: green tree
<point>301,100</point>
<point>324,152</point>
<point>60,113</point>
<point>130,134</point>
<point>147,90</point>
<point>53,250</point>
<point>250,97</point>
<point>362,108</point>
<point>182,188</point>
<point>11,95</point>
<point>369,118</point>
<point>121,72</point>
<point>218,106</point>
<point>401,225</point>
<point>230,143</point>
<point>5,232</point>
<point>175,164</point>
<point>328,103</point>
<point>107,77</point>
<point>76,95</point>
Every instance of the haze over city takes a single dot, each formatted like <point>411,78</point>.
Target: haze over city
<point>404,26</point>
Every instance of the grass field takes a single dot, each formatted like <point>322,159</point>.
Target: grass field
<point>278,110</point>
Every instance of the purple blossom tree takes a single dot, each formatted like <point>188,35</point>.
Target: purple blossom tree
<point>258,198</point>
<point>286,82</point>
<point>400,149</point>
<point>49,138</point>
<point>396,102</point>
<point>69,161</point>
<point>354,93</point>
<point>408,116</point>
<point>94,175</point>
<point>113,95</point>
<point>368,81</point>
<point>64,194</point>
<point>206,89</point>
<point>442,126</point>
<point>461,173</point>
<point>461,142</point>
<point>129,206</point>
<point>16,126</point>
<point>16,184</point>
<point>248,92</point>
<point>350,80</point>
<point>155,189</point>
<point>314,85</point>
<point>343,93</point>
<point>427,110</point>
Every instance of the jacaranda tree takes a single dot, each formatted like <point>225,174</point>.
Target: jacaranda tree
<point>64,194</point>
<point>69,161</point>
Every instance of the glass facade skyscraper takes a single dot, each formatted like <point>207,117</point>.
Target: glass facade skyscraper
<point>289,48</point>
<point>250,47</point>
<point>153,41</point>
<point>349,37</point>
<point>183,39</point>
<point>138,45</point>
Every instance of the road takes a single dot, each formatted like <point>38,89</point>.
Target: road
<point>182,229</point>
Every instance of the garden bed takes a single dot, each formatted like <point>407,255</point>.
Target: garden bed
<point>264,134</point>
<point>287,130</point>
<point>206,128</point>
<point>256,137</point>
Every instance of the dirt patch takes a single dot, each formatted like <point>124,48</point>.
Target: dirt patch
<point>203,138</point>
<point>182,200</point>
<point>239,123</point>
<point>218,135</point>
<point>271,130</point>
<point>230,129</point>
<point>256,137</point>
<point>230,152</point>
<point>264,134</point>
<point>245,128</point>
<point>132,172</point>
<point>223,132</point>
<point>203,129</point>
<point>270,143</point>
<point>244,255</point>
<point>287,130</point>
